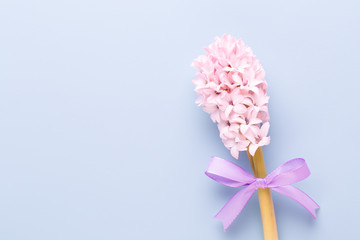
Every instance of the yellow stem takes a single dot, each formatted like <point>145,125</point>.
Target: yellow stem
<point>265,200</point>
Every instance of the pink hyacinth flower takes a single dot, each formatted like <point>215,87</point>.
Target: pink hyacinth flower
<point>231,87</point>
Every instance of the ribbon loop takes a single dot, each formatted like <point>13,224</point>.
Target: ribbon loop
<point>279,180</point>
<point>288,173</point>
<point>228,173</point>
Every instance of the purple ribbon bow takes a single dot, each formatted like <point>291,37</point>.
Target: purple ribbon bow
<point>279,180</point>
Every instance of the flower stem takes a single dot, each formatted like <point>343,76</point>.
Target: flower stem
<point>265,200</point>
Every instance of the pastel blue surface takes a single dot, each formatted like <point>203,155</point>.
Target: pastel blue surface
<point>100,137</point>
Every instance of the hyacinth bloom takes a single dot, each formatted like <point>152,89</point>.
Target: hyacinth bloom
<point>231,87</point>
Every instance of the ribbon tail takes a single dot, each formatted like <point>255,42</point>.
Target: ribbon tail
<point>299,196</point>
<point>234,206</point>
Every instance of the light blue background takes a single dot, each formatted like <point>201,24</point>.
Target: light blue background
<point>100,137</point>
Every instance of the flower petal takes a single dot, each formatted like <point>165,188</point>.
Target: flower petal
<point>264,129</point>
<point>253,148</point>
<point>234,152</point>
